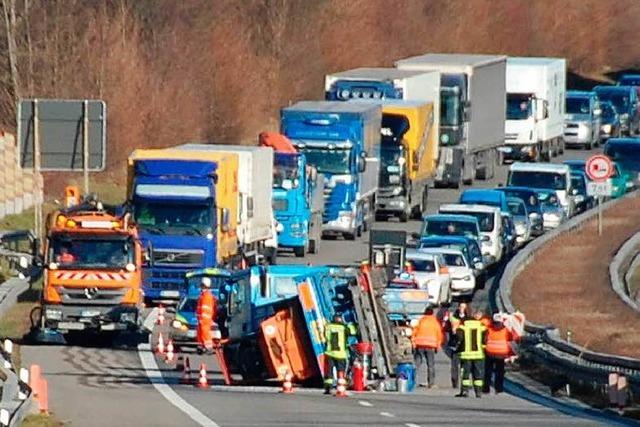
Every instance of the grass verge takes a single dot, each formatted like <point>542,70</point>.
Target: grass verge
<point>40,420</point>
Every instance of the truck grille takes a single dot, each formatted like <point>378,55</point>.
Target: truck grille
<point>511,136</point>
<point>174,257</point>
<point>91,295</point>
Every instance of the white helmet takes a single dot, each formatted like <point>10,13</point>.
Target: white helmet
<point>206,282</point>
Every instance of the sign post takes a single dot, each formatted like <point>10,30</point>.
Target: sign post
<point>599,169</point>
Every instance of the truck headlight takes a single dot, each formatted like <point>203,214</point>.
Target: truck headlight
<point>53,314</point>
<point>606,128</point>
<point>176,324</point>
<point>279,228</point>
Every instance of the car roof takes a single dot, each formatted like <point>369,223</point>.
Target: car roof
<point>581,93</point>
<point>539,167</point>
<point>621,141</point>
<point>479,192</point>
<point>449,239</point>
<point>469,208</point>
<point>612,88</point>
<point>451,217</point>
<point>416,254</point>
<point>448,251</point>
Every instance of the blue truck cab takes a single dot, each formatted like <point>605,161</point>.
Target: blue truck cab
<point>297,203</point>
<point>173,202</point>
<point>625,99</point>
<point>485,197</point>
<point>342,141</point>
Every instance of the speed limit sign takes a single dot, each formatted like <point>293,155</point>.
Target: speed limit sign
<point>599,168</point>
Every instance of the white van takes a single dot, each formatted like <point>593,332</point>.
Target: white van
<point>490,227</point>
<point>547,176</point>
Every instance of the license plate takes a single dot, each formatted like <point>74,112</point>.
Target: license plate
<point>191,334</point>
<point>170,294</point>
<point>90,313</point>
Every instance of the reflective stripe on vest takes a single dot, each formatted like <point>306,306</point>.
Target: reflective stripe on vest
<point>336,335</point>
<point>498,342</point>
<point>473,348</point>
<point>428,341</point>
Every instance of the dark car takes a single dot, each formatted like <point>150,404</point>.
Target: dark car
<point>579,183</point>
<point>626,153</point>
<point>530,198</point>
<point>625,99</point>
<point>609,121</point>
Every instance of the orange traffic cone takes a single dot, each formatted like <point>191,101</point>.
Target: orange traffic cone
<point>160,346</point>
<point>160,320</point>
<point>169,356</point>
<point>186,372</point>
<point>287,386</point>
<point>202,380</point>
<point>341,389</point>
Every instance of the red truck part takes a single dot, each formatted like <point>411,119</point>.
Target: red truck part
<point>278,142</point>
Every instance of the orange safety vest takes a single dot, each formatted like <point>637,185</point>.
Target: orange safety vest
<point>206,310</point>
<point>498,342</point>
<point>428,333</point>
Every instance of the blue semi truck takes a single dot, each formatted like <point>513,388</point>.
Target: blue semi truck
<point>342,141</point>
<point>297,203</point>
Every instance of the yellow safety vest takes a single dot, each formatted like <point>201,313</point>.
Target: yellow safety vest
<point>473,347</point>
<point>336,335</point>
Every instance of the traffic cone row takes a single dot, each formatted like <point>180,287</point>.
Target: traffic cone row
<point>160,319</point>
<point>160,346</point>
<point>341,389</point>
<point>203,382</point>
<point>287,385</point>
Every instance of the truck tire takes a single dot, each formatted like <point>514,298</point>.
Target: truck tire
<point>299,251</point>
<point>349,236</point>
<point>403,217</point>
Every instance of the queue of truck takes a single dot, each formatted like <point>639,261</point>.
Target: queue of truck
<point>369,152</point>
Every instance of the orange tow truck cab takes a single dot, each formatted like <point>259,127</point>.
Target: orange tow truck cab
<point>93,261</point>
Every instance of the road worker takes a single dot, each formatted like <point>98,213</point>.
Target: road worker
<point>472,335</point>
<point>65,256</point>
<point>426,339</point>
<point>451,322</point>
<point>336,354</point>
<point>206,313</point>
<point>497,350</point>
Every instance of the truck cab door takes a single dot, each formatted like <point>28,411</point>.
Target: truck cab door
<point>238,305</point>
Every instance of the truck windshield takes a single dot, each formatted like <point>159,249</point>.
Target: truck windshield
<point>535,179</point>
<point>518,106</point>
<point>608,111</point>
<point>174,217</point>
<point>285,170</point>
<point>623,152</point>
<point>629,81</point>
<point>334,162</point>
<point>449,108</point>
<point>578,106</point>
<point>449,228</point>
<point>91,252</point>
<point>619,100</point>
<point>390,168</point>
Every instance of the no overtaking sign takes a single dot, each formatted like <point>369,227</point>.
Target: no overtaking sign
<point>599,168</point>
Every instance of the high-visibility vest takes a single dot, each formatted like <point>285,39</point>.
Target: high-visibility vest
<point>498,342</point>
<point>336,335</point>
<point>206,309</point>
<point>473,346</point>
<point>428,333</point>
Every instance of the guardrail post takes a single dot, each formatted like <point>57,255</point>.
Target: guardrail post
<point>567,386</point>
<point>24,378</point>
<point>621,388</point>
<point>5,417</point>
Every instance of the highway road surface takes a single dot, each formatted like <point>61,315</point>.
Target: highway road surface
<point>101,386</point>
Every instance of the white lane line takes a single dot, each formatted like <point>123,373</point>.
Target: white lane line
<point>155,377</point>
<point>387,414</point>
<point>365,403</point>
<point>412,425</point>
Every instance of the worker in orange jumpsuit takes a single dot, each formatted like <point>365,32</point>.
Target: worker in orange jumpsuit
<point>206,313</point>
<point>427,338</point>
<point>498,348</point>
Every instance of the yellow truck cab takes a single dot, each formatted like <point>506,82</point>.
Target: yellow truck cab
<point>93,274</point>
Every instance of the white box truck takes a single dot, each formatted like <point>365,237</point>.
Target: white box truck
<point>256,224</point>
<point>536,89</point>
<point>472,111</point>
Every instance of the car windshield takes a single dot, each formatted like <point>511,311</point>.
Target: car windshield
<point>485,219</point>
<point>578,105</point>
<point>623,152</point>
<point>577,182</point>
<point>74,252</point>
<point>174,217</point>
<point>529,199</point>
<point>217,282</point>
<point>390,154</point>
<point>454,260</point>
<point>437,227</point>
<point>518,106</point>
<point>548,199</point>
<point>608,111</point>
<point>629,81</point>
<point>619,100</point>
<point>335,162</point>
<point>536,179</point>
<point>422,265</point>
<point>516,208</point>
<point>285,171</point>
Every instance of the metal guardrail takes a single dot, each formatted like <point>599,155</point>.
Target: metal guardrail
<point>623,265</point>
<point>16,399</point>
<point>544,341</point>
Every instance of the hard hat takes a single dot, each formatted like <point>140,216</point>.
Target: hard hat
<point>206,282</point>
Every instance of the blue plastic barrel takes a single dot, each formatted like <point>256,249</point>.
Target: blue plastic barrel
<point>408,371</point>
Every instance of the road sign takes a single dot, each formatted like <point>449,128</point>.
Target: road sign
<point>61,133</point>
<point>599,168</point>
<point>603,188</point>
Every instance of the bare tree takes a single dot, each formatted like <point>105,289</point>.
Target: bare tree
<point>9,8</point>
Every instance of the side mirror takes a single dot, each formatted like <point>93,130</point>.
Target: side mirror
<point>466,111</point>
<point>361,162</point>
<point>574,191</point>
<point>224,219</point>
<point>478,266</point>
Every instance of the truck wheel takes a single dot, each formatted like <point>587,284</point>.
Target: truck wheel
<point>314,246</point>
<point>404,217</point>
<point>349,236</point>
<point>299,251</point>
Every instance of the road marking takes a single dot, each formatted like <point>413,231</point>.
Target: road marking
<point>365,403</point>
<point>387,414</point>
<point>155,377</point>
